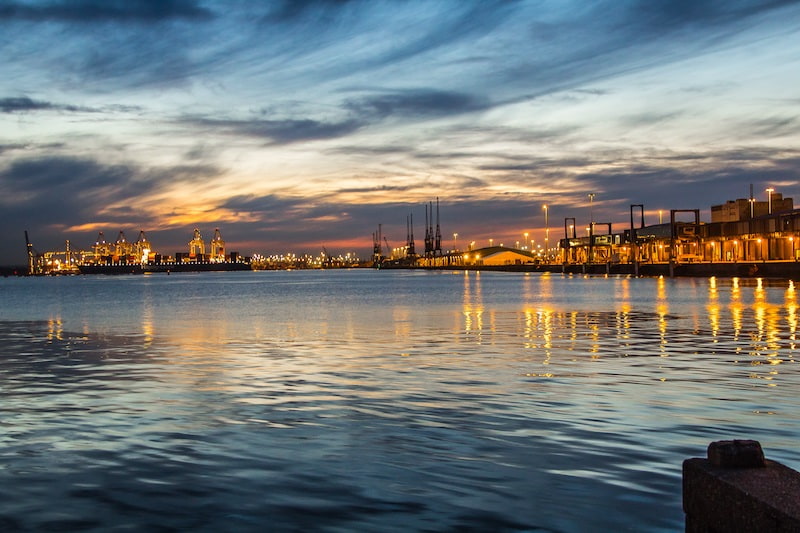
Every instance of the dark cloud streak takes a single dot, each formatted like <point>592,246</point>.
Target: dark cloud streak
<point>23,104</point>
<point>277,132</point>
<point>359,113</point>
<point>90,11</point>
<point>416,103</point>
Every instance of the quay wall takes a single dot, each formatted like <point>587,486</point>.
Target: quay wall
<point>769,269</point>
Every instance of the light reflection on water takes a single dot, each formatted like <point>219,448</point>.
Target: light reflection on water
<point>381,400</point>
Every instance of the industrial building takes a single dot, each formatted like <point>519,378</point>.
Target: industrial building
<point>122,256</point>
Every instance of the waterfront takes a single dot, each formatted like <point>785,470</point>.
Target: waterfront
<point>402,400</point>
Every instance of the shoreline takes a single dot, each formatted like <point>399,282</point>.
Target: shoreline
<point>789,270</point>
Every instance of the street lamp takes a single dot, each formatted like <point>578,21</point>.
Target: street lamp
<point>491,243</point>
<point>660,220</point>
<point>455,236</point>
<point>546,231</point>
<point>769,200</point>
<point>526,240</point>
<point>591,206</point>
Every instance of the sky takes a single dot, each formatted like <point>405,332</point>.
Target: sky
<point>293,126</point>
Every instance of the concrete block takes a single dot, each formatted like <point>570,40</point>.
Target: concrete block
<point>736,490</point>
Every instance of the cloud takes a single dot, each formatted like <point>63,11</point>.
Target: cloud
<point>23,104</point>
<point>277,131</point>
<point>48,194</point>
<point>265,207</point>
<point>103,46</point>
<point>290,10</point>
<point>574,44</point>
<point>89,11</point>
<point>664,15</point>
<point>10,147</point>
<point>416,104</point>
<point>774,126</point>
<point>44,189</point>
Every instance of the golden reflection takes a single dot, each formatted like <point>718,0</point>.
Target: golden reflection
<point>148,331</point>
<point>767,319</point>
<point>736,308</point>
<point>623,317</point>
<point>662,309</point>
<point>55,329</point>
<point>625,289</point>
<point>546,316</point>
<point>594,335</point>
<point>790,302</point>
<point>530,329</point>
<point>759,308</point>
<point>539,331</point>
<point>573,326</point>
<point>753,318</point>
<point>546,287</point>
<point>661,288</point>
<point>401,316</point>
<point>713,308</point>
<point>472,305</point>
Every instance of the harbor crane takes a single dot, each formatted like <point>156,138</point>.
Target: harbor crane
<point>327,260</point>
<point>34,258</point>
<point>388,248</point>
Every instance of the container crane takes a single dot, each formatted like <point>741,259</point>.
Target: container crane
<point>34,259</point>
<point>327,261</point>
<point>388,248</point>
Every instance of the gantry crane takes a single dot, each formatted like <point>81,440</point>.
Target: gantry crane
<point>34,259</point>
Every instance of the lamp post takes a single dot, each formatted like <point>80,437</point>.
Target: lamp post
<point>491,243</point>
<point>455,236</point>
<point>660,218</point>
<point>546,233</point>
<point>769,200</point>
<point>525,245</point>
<point>590,256</point>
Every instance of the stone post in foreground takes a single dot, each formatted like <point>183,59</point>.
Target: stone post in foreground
<point>736,490</point>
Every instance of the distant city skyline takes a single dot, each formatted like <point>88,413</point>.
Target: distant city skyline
<point>297,125</point>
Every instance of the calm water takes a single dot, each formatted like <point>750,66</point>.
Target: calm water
<point>381,401</point>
